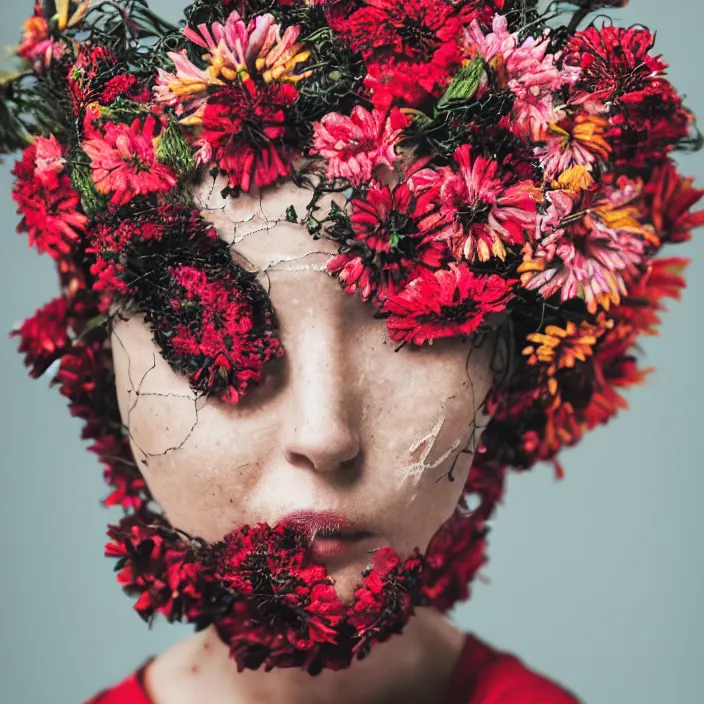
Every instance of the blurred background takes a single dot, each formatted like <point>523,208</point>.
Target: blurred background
<point>595,580</point>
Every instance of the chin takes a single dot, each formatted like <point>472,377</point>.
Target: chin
<point>347,579</point>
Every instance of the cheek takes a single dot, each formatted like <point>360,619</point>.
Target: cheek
<point>201,466</point>
<point>422,423</point>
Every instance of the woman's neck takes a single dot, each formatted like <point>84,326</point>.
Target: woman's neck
<point>415,668</point>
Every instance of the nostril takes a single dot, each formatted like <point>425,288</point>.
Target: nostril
<point>300,460</point>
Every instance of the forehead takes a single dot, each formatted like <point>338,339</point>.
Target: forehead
<point>256,225</point>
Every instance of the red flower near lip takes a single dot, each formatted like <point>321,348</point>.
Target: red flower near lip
<point>243,130</point>
<point>47,201</point>
<point>454,556</point>
<point>124,161</point>
<point>155,569</point>
<point>269,604</point>
<point>445,303</point>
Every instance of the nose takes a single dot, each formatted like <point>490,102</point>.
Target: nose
<point>321,433</point>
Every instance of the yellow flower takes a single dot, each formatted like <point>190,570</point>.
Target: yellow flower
<point>576,178</point>
<point>62,19</point>
<point>561,348</point>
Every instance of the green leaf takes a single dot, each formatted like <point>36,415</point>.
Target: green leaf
<point>465,82</point>
<point>82,179</point>
<point>291,215</point>
<point>174,151</point>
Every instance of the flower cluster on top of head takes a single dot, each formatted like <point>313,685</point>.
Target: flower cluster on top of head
<point>492,168</point>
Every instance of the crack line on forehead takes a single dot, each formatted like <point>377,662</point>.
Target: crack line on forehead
<point>294,258</point>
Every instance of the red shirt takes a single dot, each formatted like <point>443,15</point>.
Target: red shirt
<point>483,676</point>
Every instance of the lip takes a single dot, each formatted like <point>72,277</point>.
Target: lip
<point>331,535</point>
<point>325,525</point>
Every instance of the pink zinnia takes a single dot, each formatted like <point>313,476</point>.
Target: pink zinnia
<point>354,146</point>
<point>482,213</point>
<point>595,256</point>
<point>124,161</point>
<point>49,161</point>
<point>531,73</point>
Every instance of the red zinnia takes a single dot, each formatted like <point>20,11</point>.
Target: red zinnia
<point>411,47</point>
<point>445,303</point>
<point>483,212</point>
<point>392,233</point>
<point>614,62</point>
<point>47,200</point>
<point>124,161</point>
<point>244,126</point>
<point>44,336</point>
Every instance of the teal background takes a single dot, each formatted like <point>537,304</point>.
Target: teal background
<point>595,580</point>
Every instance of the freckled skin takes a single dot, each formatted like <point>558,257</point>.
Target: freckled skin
<point>335,426</point>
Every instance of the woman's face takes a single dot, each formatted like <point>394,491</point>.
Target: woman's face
<point>343,423</point>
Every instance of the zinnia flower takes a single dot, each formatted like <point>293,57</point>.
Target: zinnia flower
<point>124,162</point>
<point>154,569</point>
<point>405,43</point>
<point>529,71</point>
<point>589,253</point>
<point>614,62</point>
<point>561,348</point>
<point>235,51</point>
<point>453,558</point>
<point>47,201</point>
<point>243,132</point>
<point>671,198</point>
<point>392,232</point>
<point>445,303</point>
<point>38,46</point>
<point>354,146</point>
<point>483,213</point>
<point>573,141</point>
<point>44,336</point>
